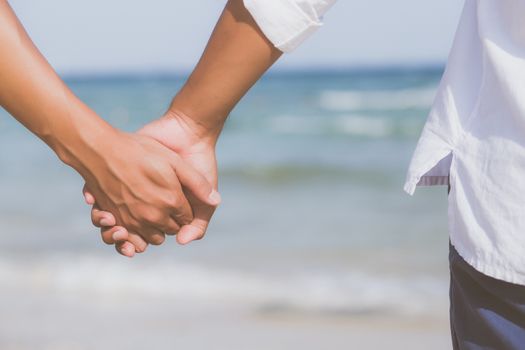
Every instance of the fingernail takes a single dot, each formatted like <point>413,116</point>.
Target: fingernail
<point>105,222</point>
<point>119,235</point>
<point>215,198</point>
<point>183,239</point>
<point>128,252</point>
<point>188,237</point>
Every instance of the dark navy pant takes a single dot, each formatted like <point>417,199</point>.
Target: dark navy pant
<point>485,313</point>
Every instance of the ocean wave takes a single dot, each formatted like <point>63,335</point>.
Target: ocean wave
<point>349,292</point>
<point>345,124</point>
<point>345,100</point>
<point>364,126</point>
<point>296,124</point>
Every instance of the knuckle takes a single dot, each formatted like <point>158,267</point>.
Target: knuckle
<point>172,228</point>
<point>179,201</point>
<point>173,201</point>
<point>177,204</point>
<point>183,217</point>
<point>152,216</point>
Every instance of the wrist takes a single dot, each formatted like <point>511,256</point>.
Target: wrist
<point>201,109</point>
<point>85,144</point>
<point>198,130</point>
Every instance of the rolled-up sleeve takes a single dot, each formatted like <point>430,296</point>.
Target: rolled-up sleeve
<point>287,23</point>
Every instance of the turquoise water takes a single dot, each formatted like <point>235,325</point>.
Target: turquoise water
<point>313,217</point>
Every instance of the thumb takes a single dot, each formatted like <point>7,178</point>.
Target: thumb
<point>196,183</point>
<point>197,228</point>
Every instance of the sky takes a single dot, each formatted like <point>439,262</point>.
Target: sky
<point>123,36</point>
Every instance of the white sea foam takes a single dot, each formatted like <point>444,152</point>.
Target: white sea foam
<point>296,124</point>
<point>364,125</point>
<point>348,292</point>
<point>349,100</point>
<point>347,124</point>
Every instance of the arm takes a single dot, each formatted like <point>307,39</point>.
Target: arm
<point>237,55</point>
<point>142,194</point>
<point>33,93</point>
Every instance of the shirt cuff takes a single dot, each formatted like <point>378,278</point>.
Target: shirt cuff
<point>287,23</point>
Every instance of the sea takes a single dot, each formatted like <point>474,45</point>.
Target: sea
<point>314,223</point>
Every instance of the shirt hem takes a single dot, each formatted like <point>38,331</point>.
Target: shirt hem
<point>418,178</point>
<point>494,269</point>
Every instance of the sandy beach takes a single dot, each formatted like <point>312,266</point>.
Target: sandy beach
<point>57,321</point>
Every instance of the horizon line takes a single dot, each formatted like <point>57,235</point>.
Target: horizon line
<point>274,72</point>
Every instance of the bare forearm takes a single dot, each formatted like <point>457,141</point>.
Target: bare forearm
<point>33,93</point>
<point>236,56</point>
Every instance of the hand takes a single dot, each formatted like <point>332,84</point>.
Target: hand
<point>140,182</point>
<point>196,146</point>
<point>236,56</point>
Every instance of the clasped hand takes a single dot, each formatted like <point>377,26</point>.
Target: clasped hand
<point>160,181</point>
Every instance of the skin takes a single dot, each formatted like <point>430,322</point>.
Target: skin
<point>236,56</point>
<point>139,180</point>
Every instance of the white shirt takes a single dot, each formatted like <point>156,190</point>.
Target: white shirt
<point>287,23</point>
<point>476,134</point>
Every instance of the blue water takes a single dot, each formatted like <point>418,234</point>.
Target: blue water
<point>311,172</point>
